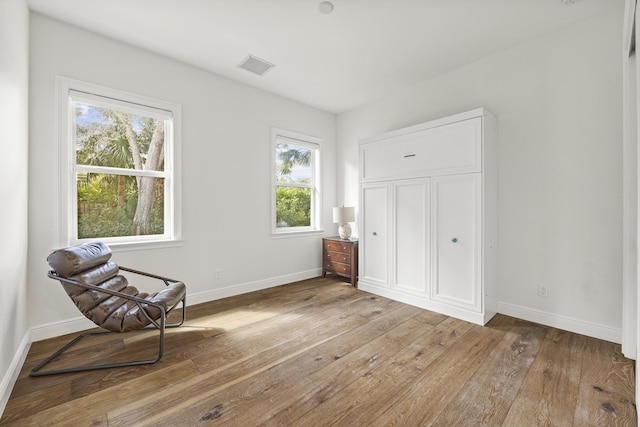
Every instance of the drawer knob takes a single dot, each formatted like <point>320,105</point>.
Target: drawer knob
<point>374,233</point>
<point>454,240</point>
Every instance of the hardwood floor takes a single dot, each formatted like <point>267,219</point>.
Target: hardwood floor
<point>319,352</point>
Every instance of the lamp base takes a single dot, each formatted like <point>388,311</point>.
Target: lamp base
<point>344,231</point>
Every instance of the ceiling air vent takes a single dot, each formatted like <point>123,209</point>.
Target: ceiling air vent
<point>255,65</point>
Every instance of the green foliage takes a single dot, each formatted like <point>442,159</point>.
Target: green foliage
<point>101,215</point>
<point>100,221</point>
<point>293,207</point>
<point>92,190</point>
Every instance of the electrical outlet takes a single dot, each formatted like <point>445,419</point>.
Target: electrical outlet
<point>218,273</point>
<point>543,291</point>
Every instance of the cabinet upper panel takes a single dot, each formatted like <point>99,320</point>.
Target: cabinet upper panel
<point>446,149</point>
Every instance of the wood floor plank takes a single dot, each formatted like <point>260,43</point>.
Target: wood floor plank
<point>606,383</point>
<point>361,401</point>
<point>35,401</point>
<point>92,409</point>
<point>243,359</point>
<point>240,404</point>
<point>275,305</point>
<point>346,369</point>
<point>419,402</point>
<point>345,358</point>
<point>488,395</point>
<point>320,352</point>
<point>272,334</point>
<point>200,391</point>
<point>549,392</point>
<point>431,317</point>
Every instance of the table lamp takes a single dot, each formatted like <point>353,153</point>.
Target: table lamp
<point>344,216</point>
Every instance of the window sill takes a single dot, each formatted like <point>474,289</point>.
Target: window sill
<point>302,233</point>
<point>138,246</point>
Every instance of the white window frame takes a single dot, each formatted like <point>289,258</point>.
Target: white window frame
<point>315,145</point>
<point>70,89</point>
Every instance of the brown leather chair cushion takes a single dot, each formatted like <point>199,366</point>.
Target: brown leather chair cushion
<point>75,259</point>
<point>129,316</point>
<point>93,276</point>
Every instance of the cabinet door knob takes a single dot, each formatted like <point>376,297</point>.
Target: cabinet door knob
<point>374,233</point>
<point>454,240</point>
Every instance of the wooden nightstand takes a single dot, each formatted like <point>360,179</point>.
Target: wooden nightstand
<point>340,257</point>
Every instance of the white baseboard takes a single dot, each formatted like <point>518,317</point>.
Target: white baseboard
<point>10,377</point>
<point>80,323</point>
<point>594,330</point>
<point>55,329</point>
<point>243,288</point>
<point>479,318</point>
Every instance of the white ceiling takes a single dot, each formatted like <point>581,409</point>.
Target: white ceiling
<point>361,51</point>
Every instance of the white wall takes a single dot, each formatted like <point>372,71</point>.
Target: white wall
<point>14,145</point>
<point>226,130</point>
<point>559,104</point>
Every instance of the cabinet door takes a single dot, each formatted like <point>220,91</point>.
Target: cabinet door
<point>411,233</point>
<point>441,150</point>
<point>374,238</point>
<point>456,240</point>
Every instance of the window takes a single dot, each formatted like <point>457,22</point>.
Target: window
<point>296,178</point>
<point>119,155</point>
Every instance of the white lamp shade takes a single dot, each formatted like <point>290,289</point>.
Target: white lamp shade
<point>343,215</point>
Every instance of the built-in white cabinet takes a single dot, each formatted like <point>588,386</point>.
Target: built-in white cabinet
<point>428,215</point>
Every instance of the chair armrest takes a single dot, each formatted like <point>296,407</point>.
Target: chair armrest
<point>166,280</point>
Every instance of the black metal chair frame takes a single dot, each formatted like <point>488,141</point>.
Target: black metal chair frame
<point>161,325</point>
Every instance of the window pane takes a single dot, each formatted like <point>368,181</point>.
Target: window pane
<point>119,205</point>
<point>293,164</point>
<point>112,138</point>
<point>293,207</point>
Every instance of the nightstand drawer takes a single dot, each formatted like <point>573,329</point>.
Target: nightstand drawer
<point>337,246</point>
<point>337,267</point>
<point>337,257</point>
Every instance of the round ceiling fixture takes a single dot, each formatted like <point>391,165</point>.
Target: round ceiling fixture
<point>325,7</point>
